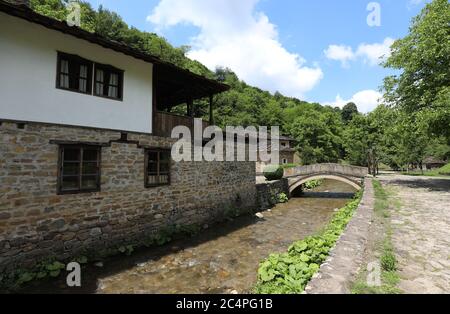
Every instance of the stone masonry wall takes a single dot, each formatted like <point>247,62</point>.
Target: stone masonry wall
<point>36,223</point>
<point>268,192</point>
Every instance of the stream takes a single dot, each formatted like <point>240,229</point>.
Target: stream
<point>222,259</point>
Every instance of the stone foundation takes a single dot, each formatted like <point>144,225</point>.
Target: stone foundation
<point>268,193</point>
<point>36,223</point>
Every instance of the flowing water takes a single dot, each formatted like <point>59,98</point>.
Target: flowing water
<point>222,259</point>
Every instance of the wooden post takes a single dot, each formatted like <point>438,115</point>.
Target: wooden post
<point>211,108</point>
<point>190,108</point>
<point>154,102</point>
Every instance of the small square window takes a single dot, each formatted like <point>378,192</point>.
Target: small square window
<point>79,169</point>
<point>108,82</point>
<point>157,167</point>
<point>74,73</point>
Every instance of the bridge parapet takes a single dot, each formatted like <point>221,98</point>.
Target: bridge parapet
<point>351,171</point>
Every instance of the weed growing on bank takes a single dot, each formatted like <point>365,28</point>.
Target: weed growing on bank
<point>289,273</point>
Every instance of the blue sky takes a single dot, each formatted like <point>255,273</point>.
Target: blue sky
<point>321,50</point>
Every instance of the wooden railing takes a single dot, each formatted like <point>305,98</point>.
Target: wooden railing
<point>165,122</point>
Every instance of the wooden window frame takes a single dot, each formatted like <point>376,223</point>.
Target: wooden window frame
<point>146,175</point>
<point>79,60</point>
<point>107,70</point>
<point>81,147</point>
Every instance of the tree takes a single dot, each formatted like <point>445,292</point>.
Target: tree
<point>423,57</point>
<point>52,8</point>
<point>349,111</point>
<point>355,141</point>
<point>366,140</point>
<point>318,136</point>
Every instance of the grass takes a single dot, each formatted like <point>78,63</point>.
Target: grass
<point>288,166</point>
<point>388,260</point>
<point>381,200</point>
<point>389,276</point>
<point>444,171</point>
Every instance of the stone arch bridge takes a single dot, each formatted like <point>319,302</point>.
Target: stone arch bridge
<point>351,175</point>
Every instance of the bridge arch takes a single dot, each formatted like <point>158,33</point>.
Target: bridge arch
<point>296,183</point>
<point>351,175</point>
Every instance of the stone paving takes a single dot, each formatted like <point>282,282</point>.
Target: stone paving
<point>421,232</point>
<point>342,266</point>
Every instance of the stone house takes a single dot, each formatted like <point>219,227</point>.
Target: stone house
<point>85,161</point>
<point>287,154</point>
<point>433,163</point>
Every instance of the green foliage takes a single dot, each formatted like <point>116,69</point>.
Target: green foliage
<point>273,172</point>
<point>381,200</point>
<point>318,136</point>
<point>288,166</point>
<point>389,282</point>
<point>349,111</point>
<point>82,260</point>
<point>290,272</point>
<point>168,234</point>
<point>389,261</point>
<point>282,198</point>
<point>445,170</point>
<point>310,185</point>
<point>45,269</point>
<point>423,58</point>
<point>127,250</point>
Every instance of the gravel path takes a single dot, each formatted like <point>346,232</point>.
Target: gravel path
<point>421,232</point>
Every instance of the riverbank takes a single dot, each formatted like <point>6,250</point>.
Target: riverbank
<point>223,259</point>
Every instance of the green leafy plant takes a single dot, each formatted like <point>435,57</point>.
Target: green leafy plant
<point>312,184</point>
<point>282,198</point>
<point>290,272</point>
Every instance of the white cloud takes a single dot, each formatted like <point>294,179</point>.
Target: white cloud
<point>232,34</point>
<point>340,53</point>
<point>366,100</point>
<point>373,54</point>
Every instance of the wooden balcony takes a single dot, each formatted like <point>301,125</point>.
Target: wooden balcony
<point>165,122</point>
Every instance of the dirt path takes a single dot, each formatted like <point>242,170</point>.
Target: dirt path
<point>421,232</point>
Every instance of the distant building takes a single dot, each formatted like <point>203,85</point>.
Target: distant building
<point>288,154</point>
<point>433,163</point>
